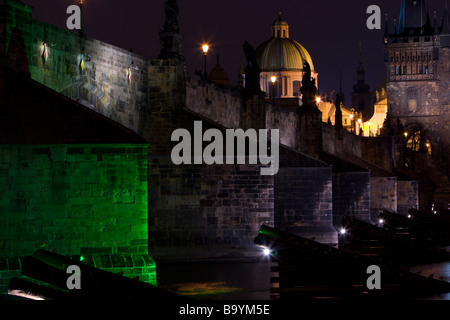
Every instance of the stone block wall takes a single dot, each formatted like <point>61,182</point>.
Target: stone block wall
<point>351,196</point>
<point>407,196</point>
<point>383,194</point>
<point>286,121</point>
<point>309,134</point>
<point>206,212</point>
<point>304,202</point>
<point>379,151</point>
<point>328,138</point>
<point>219,104</point>
<point>112,80</point>
<point>348,144</point>
<point>74,200</point>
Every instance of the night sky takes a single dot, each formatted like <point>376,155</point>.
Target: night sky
<point>329,29</point>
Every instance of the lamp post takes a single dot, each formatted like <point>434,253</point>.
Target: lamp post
<point>205,52</point>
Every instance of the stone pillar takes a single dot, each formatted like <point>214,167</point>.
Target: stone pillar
<point>304,202</point>
<point>309,139</point>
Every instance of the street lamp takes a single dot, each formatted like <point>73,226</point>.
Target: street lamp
<point>205,52</point>
<point>273,79</point>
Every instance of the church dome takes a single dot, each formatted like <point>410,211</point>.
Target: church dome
<point>219,75</point>
<point>281,53</point>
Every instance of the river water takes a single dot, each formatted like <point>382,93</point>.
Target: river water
<point>249,281</point>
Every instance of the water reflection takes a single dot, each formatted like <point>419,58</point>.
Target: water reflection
<point>440,271</point>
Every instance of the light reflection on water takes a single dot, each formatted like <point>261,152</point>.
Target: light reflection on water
<point>440,271</point>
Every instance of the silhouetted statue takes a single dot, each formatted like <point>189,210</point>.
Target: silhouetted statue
<point>171,23</point>
<point>387,130</point>
<point>252,70</point>
<point>338,114</point>
<point>170,37</point>
<point>308,89</point>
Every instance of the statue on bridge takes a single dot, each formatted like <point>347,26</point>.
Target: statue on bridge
<point>308,89</point>
<point>252,71</point>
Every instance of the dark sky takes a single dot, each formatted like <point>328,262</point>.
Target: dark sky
<point>329,29</point>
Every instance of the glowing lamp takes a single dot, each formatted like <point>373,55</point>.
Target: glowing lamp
<point>266,251</point>
<point>273,79</point>
<point>318,100</point>
<point>343,231</point>
<point>406,134</point>
<point>205,48</point>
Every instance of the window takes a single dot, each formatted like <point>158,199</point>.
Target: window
<point>426,69</point>
<point>296,88</point>
<point>420,68</point>
<point>284,33</point>
<point>411,94</point>
<point>404,70</point>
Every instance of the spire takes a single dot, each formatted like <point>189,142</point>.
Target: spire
<point>413,14</point>
<point>361,85</point>
<point>360,53</point>
<point>436,28</point>
<point>386,27</point>
<point>445,21</point>
<point>170,37</point>
<point>341,93</point>
<point>428,21</point>
<point>401,19</point>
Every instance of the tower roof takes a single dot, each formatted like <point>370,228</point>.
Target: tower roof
<point>218,74</point>
<point>280,21</point>
<point>445,21</point>
<point>413,14</point>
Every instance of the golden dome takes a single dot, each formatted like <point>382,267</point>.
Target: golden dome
<point>281,53</point>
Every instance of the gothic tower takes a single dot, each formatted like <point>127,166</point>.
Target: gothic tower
<point>361,95</point>
<point>417,58</point>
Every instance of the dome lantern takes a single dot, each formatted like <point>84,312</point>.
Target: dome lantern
<point>284,58</point>
<point>280,28</point>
